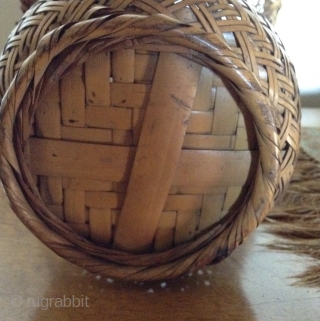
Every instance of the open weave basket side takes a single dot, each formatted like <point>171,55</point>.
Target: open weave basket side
<point>269,8</point>
<point>105,34</point>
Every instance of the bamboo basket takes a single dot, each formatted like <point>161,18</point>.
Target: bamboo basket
<point>144,140</point>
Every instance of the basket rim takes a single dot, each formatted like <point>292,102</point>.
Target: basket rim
<point>210,50</point>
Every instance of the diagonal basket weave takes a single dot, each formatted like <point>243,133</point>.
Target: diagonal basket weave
<point>145,139</point>
<point>269,8</point>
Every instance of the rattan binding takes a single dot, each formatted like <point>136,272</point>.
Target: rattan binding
<point>233,105</point>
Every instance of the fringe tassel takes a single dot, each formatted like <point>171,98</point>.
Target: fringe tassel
<point>296,218</point>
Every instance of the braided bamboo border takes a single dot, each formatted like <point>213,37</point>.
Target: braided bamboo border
<point>107,33</point>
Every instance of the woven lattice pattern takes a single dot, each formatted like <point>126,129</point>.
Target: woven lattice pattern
<point>43,17</point>
<point>264,57</point>
<point>269,8</point>
<point>91,117</point>
<point>82,119</point>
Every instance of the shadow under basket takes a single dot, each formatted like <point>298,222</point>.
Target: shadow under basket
<point>141,145</point>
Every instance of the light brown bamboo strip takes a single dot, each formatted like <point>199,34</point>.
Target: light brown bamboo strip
<point>205,94</point>
<point>100,225</point>
<point>104,199</point>
<point>97,80</point>
<point>183,203</point>
<point>232,195</point>
<point>51,189</point>
<point>108,117</point>
<point>74,206</point>
<point>226,107</point>
<point>48,115</point>
<point>123,66</point>
<point>200,122</point>
<point>73,106</point>
<point>211,210</point>
<point>185,226</point>
<point>86,184</point>
<point>81,229</point>
<point>130,95</point>
<point>164,236</point>
<point>84,134</point>
<point>201,190</point>
<point>60,158</point>
<point>207,174</point>
<point>168,110</point>
<point>144,67</point>
<point>241,142</point>
<point>210,142</point>
<point>113,163</point>
<point>122,137</point>
<point>137,122</point>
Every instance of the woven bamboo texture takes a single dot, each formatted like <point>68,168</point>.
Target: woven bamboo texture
<point>143,140</point>
<point>269,8</point>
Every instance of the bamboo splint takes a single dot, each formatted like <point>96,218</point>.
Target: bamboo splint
<point>144,140</point>
<point>158,151</point>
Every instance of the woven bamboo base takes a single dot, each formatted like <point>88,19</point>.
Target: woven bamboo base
<point>83,166</point>
<point>139,153</point>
